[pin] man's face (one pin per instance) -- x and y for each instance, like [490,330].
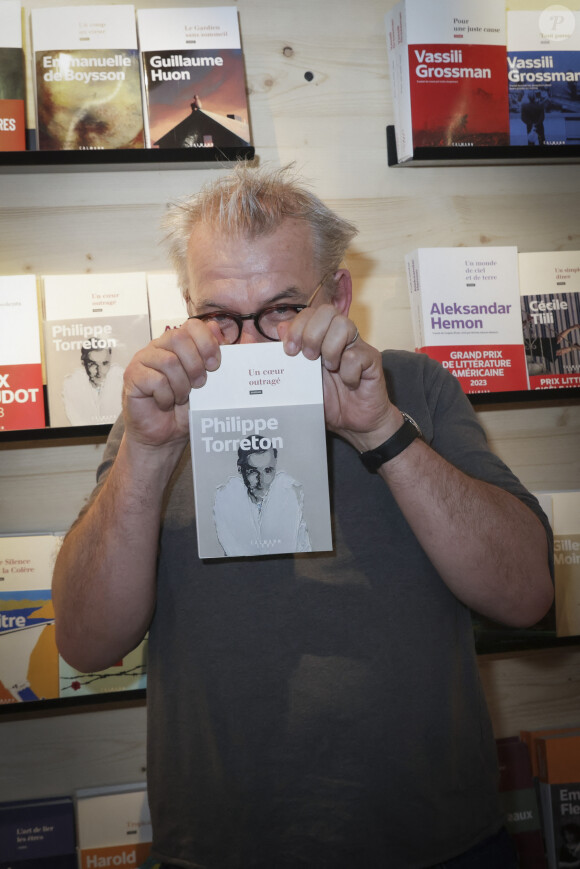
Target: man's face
[245,275]
[258,473]
[97,364]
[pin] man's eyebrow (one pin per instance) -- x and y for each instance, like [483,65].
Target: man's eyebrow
[290,293]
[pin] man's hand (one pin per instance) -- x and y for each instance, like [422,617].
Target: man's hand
[159,378]
[356,401]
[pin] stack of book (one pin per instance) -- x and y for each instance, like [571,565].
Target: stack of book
[106,77]
[466,74]
[497,319]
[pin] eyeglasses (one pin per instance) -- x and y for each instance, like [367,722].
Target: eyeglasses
[266,320]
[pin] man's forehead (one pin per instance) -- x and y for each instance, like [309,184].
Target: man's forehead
[262,459]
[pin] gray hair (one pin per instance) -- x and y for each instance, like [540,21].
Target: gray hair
[253,202]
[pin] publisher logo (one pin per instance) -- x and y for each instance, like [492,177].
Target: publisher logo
[557,23]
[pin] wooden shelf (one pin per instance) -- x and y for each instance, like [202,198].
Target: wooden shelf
[100,432]
[30,162]
[483,156]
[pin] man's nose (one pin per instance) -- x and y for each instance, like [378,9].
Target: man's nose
[250,334]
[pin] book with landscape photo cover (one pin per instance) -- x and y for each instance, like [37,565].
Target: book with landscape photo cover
[544,76]
[193,77]
[87,78]
[258,445]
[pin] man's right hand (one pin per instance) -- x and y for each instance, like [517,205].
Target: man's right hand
[159,378]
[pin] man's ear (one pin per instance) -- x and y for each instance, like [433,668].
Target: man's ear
[342,296]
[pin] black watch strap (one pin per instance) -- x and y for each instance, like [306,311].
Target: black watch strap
[373,459]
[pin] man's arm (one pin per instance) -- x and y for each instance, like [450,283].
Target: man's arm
[104,577]
[488,546]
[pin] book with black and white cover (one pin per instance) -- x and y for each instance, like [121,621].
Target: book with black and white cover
[38,834]
[447,66]
[21,380]
[550,310]
[544,76]
[12,81]
[167,307]
[193,77]
[566,513]
[87,78]
[465,308]
[258,443]
[28,653]
[113,825]
[93,326]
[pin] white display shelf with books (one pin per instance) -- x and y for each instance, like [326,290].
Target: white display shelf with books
[489,155]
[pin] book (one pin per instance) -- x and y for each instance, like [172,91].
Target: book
[12,81]
[465,310]
[447,64]
[258,445]
[93,325]
[28,653]
[127,674]
[113,825]
[193,77]
[518,799]
[550,307]
[544,76]
[559,775]
[21,379]
[167,307]
[38,834]
[566,509]
[87,78]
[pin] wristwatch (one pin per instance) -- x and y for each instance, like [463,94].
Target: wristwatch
[373,459]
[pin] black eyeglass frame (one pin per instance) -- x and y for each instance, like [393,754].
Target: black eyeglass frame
[239,319]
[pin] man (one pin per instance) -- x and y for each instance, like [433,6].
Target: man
[321,710]
[260,511]
[92,394]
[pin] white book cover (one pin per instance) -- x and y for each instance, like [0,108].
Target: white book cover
[93,326]
[28,654]
[550,310]
[258,443]
[566,510]
[113,825]
[544,76]
[167,308]
[12,82]
[87,77]
[193,77]
[447,63]
[21,386]
[468,314]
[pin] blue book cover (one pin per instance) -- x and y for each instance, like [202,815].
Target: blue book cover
[38,833]
[544,78]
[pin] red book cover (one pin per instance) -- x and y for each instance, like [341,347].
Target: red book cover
[12,88]
[21,393]
[448,68]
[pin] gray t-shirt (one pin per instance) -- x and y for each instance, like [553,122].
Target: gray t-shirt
[323,710]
